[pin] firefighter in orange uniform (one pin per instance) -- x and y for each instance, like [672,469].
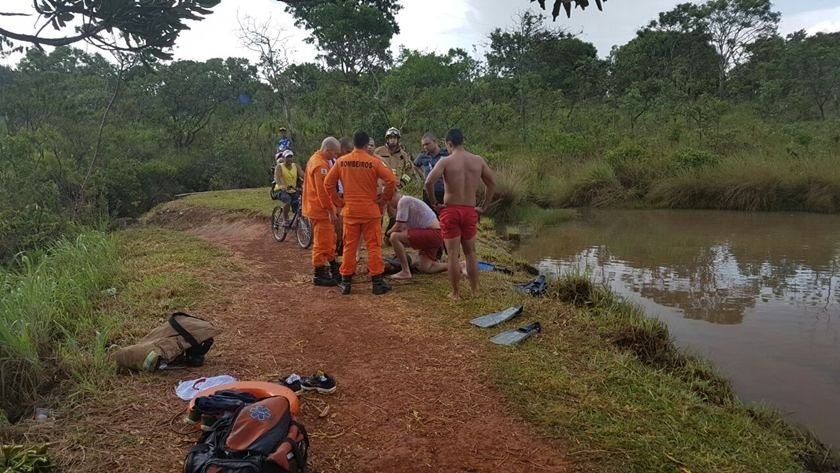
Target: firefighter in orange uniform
[318,208]
[361,207]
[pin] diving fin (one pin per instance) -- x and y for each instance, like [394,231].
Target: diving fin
[484,266]
[513,337]
[537,287]
[491,320]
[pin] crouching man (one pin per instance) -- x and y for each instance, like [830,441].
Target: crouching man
[417,227]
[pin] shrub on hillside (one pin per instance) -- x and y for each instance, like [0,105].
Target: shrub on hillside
[689,158]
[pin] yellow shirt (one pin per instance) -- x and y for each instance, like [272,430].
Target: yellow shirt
[288,178]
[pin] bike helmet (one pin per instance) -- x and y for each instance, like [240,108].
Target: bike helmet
[392,132]
[288,153]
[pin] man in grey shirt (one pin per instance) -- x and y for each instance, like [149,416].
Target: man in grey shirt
[417,227]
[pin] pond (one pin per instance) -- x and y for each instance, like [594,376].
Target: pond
[757,294]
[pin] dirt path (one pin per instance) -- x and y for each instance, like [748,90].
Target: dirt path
[411,397]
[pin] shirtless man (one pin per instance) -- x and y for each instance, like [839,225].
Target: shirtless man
[462,173]
[417,227]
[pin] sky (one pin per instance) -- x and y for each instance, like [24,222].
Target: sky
[437,25]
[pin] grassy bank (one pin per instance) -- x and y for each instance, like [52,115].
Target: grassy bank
[608,383]
[49,325]
[605,381]
[752,166]
[61,311]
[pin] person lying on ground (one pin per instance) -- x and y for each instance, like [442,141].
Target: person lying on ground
[462,174]
[417,227]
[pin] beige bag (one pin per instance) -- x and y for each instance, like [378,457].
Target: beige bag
[183,339]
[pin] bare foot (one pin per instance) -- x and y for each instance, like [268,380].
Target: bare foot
[454,297]
[402,275]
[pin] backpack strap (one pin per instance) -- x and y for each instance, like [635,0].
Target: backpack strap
[181,330]
[300,455]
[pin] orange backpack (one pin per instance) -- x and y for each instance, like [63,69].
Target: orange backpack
[262,437]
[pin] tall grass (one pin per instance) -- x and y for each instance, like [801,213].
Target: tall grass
[48,323]
[756,185]
[745,164]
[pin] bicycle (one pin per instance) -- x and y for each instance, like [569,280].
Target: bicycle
[300,224]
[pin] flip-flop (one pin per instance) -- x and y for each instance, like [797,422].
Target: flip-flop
[491,320]
[513,337]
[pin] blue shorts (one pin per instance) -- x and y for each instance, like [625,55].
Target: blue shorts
[292,198]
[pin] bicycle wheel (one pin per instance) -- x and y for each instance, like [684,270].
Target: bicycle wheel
[278,225]
[304,232]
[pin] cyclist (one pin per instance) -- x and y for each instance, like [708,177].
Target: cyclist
[284,142]
[288,180]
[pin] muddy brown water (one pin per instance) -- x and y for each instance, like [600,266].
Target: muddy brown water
[756,294]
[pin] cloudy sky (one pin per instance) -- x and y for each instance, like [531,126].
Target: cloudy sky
[437,25]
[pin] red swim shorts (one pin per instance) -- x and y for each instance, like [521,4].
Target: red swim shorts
[426,240]
[458,221]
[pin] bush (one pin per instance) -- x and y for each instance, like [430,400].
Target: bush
[633,166]
[47,321]
[689,159]
[595,186]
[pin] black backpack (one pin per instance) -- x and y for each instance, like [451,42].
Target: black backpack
[260,437]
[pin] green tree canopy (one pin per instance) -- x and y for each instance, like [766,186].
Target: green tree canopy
[121,25]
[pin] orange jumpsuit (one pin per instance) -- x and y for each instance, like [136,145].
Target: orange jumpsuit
[361,210]
[316,207]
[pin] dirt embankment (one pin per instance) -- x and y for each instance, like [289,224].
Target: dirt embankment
[412,397]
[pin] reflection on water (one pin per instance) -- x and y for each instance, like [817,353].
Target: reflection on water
[758,294]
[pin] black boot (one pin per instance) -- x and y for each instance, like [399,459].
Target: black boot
[323,277]
[379,286]
[334,266]
[344,285]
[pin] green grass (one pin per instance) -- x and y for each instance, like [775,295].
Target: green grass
[747,165]
[57,318]
[608,384]
[48,318]
[755,185]
[255,201]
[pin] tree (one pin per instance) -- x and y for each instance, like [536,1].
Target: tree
[559,60]
[732,25]
[567,5]
[189,93]
[800,73]
[353,35]
[662,67]
[302,9]
[682,62]
[273,63]
[121,25]
[417,92]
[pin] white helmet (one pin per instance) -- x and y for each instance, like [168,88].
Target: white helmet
[288,153]
[392,132]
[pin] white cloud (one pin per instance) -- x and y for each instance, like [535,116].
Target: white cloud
[438,25]
[218,34]
[815,21]
[433,25]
